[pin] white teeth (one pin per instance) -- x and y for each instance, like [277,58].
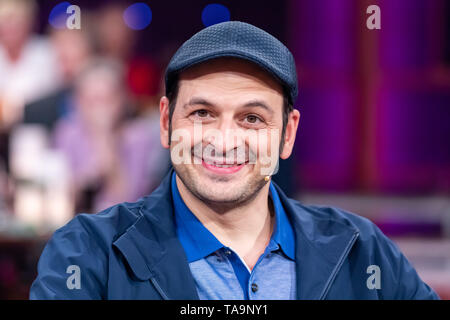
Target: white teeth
[224,165]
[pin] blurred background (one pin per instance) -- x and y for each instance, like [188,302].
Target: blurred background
[79,119]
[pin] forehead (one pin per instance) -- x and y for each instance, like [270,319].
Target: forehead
[229,75]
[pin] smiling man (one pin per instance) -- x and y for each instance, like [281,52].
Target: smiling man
[218,227]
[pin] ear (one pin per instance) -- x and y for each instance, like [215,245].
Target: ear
[291,132]
[164,121]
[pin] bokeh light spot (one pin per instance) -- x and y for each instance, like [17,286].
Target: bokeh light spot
[138,16]
[215,13]
[58,15]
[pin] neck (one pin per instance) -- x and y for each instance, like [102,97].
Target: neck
[14,54]
[14,50]
[246,228]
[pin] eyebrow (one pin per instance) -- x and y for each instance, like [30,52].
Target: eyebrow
[259,103]
[198,101]
[253,103]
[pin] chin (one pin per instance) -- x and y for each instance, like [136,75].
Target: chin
[221,199]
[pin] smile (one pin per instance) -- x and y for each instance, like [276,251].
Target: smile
[222,168]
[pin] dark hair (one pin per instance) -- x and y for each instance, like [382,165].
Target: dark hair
[172,94]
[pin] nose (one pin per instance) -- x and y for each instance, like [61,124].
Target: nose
[225,139]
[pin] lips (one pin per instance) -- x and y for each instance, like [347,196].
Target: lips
[222,168]
[222,163]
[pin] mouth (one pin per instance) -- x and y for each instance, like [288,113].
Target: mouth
[221,167]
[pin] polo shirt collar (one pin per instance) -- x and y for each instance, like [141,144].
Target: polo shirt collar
[198,242]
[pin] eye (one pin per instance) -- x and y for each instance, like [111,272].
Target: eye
[202,113]
[253,119]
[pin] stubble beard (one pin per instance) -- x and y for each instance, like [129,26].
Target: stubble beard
[215,199]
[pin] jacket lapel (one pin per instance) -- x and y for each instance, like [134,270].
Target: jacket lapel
[152,249]
[321,247]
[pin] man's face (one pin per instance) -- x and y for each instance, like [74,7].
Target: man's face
[237,108]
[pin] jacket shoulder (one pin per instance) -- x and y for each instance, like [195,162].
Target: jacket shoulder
[107,224]
[399,279]
[82,245]
[320,214]
[371,240]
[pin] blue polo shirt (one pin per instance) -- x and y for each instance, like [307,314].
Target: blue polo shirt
[220,273]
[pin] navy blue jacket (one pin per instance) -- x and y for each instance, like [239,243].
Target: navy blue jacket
[131,251]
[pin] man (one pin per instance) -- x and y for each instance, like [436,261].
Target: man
[217,227]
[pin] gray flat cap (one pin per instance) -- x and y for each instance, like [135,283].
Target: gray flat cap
[240,40]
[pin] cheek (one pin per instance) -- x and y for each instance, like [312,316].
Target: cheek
[182,122]
[267,142]
[180,146]
[268,150]
[183,138]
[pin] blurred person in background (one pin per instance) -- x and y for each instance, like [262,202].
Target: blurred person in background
[28,67]
[112,157]
[142,73]
[114,39]
[73,50]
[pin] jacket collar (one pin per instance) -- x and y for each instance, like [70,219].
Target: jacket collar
[153,251]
